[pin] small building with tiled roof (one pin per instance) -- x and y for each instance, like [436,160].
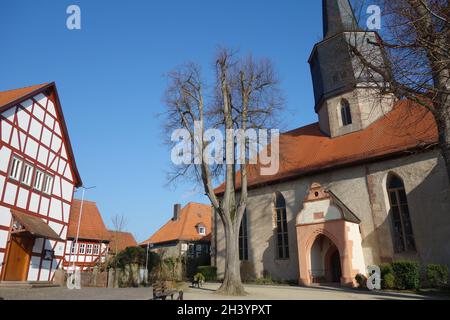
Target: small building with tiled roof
[120,240]
[365,185]
[188,232]
[38,176]
[87,239]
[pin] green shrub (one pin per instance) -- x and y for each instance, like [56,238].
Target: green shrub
[264,281]
[388,281]
[199,277]
[131,255]
[361,280]
[385,269]
[407,274]
[209,272]
[387,276]
[437,275]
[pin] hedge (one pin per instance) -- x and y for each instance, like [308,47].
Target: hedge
[407,274]
[209,272]
[437,275]
[387,276]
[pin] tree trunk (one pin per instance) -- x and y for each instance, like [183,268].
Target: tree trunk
[232,284]
[443,124]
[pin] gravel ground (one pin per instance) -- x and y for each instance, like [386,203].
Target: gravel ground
[83,294]
[256,292]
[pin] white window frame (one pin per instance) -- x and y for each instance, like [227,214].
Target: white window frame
[48,184]
[27,175]
[82,248]
[89,248]
[202,230]
[73,248]
[16,169]
[96,249]
[38,180]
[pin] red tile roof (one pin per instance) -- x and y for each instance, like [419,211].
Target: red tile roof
[12,97]
[185,228]
[92,226]
[120,241]
[307,150]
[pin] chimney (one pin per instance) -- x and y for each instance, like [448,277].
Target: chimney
[176,212]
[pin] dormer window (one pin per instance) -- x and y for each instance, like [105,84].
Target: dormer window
[346,113]
[201,230]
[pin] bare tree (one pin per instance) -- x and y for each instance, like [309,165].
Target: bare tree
[118,222]
[416,41]
[243,96]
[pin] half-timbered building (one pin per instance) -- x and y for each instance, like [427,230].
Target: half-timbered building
[87,238]
[38,175]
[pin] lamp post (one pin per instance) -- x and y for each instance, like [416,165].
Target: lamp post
[146,263]
[75,244]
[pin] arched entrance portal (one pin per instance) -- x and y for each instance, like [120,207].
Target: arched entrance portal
[335,267]
[325,261]
[329,240]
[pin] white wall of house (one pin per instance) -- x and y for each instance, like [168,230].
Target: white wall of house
[31,131]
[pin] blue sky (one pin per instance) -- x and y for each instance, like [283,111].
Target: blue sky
[110,78]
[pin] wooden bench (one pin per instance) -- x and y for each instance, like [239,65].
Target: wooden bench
[164,289]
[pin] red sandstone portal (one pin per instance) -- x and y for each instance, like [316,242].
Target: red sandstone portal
[336,231]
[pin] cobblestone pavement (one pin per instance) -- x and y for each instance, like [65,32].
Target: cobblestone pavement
[207,293]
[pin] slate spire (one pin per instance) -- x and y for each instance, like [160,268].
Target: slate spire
[338,16]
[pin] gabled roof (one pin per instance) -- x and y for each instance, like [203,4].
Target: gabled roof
[120,241]
[185,228]
[408,127]
[348,215]
[11,98]
[92,226]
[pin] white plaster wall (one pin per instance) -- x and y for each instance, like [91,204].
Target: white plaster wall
[33,271]
[45,270]
[354,236]
[330,212]
[38,245]
[5,216]
[5,154]
[3,238]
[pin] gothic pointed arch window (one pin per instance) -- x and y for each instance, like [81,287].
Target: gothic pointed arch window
[403,236]
[282,228]
[346,113]
[243,238]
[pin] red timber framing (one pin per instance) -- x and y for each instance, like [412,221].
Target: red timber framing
[81,259]
[53,156]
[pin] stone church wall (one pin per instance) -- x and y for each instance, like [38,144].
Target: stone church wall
[363,189]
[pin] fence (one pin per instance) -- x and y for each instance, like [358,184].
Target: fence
[130,276]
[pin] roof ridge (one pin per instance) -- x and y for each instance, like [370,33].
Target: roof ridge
[27,87]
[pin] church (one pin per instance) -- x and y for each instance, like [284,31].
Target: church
[364,185]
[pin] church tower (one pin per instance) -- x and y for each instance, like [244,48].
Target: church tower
[346,94]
